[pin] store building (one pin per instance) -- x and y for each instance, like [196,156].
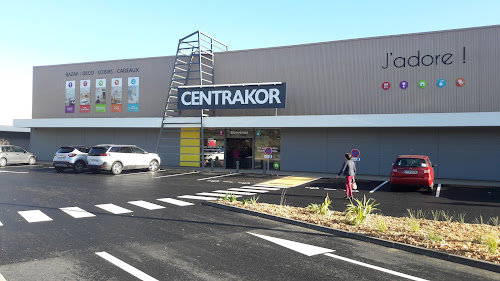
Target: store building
[16,136]
[434,93]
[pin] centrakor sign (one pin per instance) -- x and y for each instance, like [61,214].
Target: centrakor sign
[234,96]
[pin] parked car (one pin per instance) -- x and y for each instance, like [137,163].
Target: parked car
[116,158]
[12,154]
[72,156]
[412,170]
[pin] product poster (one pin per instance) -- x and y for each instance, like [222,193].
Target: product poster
[85,96]
[100,95]
[133,94]
[69,99]
[116,95]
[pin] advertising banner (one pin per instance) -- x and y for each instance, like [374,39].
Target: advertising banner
[116,95]
[133,94]
[262,95]
[85,96]
[69,98]
[100,95]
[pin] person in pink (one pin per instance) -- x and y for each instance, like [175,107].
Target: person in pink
[349,171]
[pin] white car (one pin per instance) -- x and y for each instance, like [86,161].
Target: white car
[116,158]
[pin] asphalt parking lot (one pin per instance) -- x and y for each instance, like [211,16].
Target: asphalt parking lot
[72,226]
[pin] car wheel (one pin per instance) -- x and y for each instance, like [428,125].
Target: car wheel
[59,169]
[153,166]
[78,167]
[430,188]
[32,161]
[95,171]
[116,168]
[3,162]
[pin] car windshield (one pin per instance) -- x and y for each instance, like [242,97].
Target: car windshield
[410,162]
[96,151]
[65,150]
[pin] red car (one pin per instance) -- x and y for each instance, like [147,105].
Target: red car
[412,170]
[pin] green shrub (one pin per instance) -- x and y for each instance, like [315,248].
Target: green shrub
[253,200]
[435,215]
[228,197]
[434,236]
[381,224]
[323,208]
[358,210]
[491,242]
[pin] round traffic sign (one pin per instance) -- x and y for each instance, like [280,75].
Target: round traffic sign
[355,153]
[268,151]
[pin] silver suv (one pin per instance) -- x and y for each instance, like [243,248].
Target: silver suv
[73,156]
[116,158]
[12,154]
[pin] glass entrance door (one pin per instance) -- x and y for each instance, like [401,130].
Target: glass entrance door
[239,149]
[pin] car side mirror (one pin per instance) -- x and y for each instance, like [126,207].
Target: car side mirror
[434,165]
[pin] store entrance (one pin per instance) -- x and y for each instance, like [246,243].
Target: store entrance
[239,149]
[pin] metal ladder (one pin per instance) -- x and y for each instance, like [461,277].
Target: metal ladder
[180,141]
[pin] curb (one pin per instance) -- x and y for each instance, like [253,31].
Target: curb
[396,245]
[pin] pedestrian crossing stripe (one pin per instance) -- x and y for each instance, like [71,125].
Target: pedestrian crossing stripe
[219,195]
[287,182]
[34,216]
[175,201]
[146,205]
[112,208]
[223,192]
[248,190]
[77,212]
[207,198]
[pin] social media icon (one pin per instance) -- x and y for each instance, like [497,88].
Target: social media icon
[386,85]
[460,82]
[422,84]
[441,83]
[403,85]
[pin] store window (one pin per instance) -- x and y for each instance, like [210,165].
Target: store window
[267,147]
[214,147]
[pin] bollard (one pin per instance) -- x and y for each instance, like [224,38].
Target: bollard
[237,166]
[212,165]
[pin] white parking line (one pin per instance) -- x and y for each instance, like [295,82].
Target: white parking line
[218,176]
[330,189]
[146,205]
[34,216]
[233,192]
[112,208]
[77,212]
[128,268]
[175,175]
[218,195]
[438,190]
[375,267]
[175,201]
[1,225]
[198,197]
[249,190]
[261,188]
[13,172]
[380,185]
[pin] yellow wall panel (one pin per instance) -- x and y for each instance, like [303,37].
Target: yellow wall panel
[189,142]
[189,157]
[190,150]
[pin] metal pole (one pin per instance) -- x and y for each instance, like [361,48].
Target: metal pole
[237,166]
[212,165]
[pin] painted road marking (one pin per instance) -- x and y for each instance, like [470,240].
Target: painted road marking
[228,181]
[1,223]
[310,250]
[376,267]
[227,175]
[34,216]
[132,174]
[261,188]
[128,268]
[438,190]
[175,175]
[14,172]
[379,186]
[218,195]
[234,192]
[146,205]
[330,189]
[287,182]
[112,208]
[175,201]
[312,187]
[77,212]
[249,190]
[198,197]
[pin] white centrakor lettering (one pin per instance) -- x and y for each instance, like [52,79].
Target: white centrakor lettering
[216,93]
[249,96]
[183,98]
[206,99]
[226,96]
[195,98]
[274,95]
[238,97]
[266,96]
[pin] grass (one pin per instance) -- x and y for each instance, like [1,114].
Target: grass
[381,224]
[228,197]
[491,241]
[434,236]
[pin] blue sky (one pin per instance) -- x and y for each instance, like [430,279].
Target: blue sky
[34,33]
